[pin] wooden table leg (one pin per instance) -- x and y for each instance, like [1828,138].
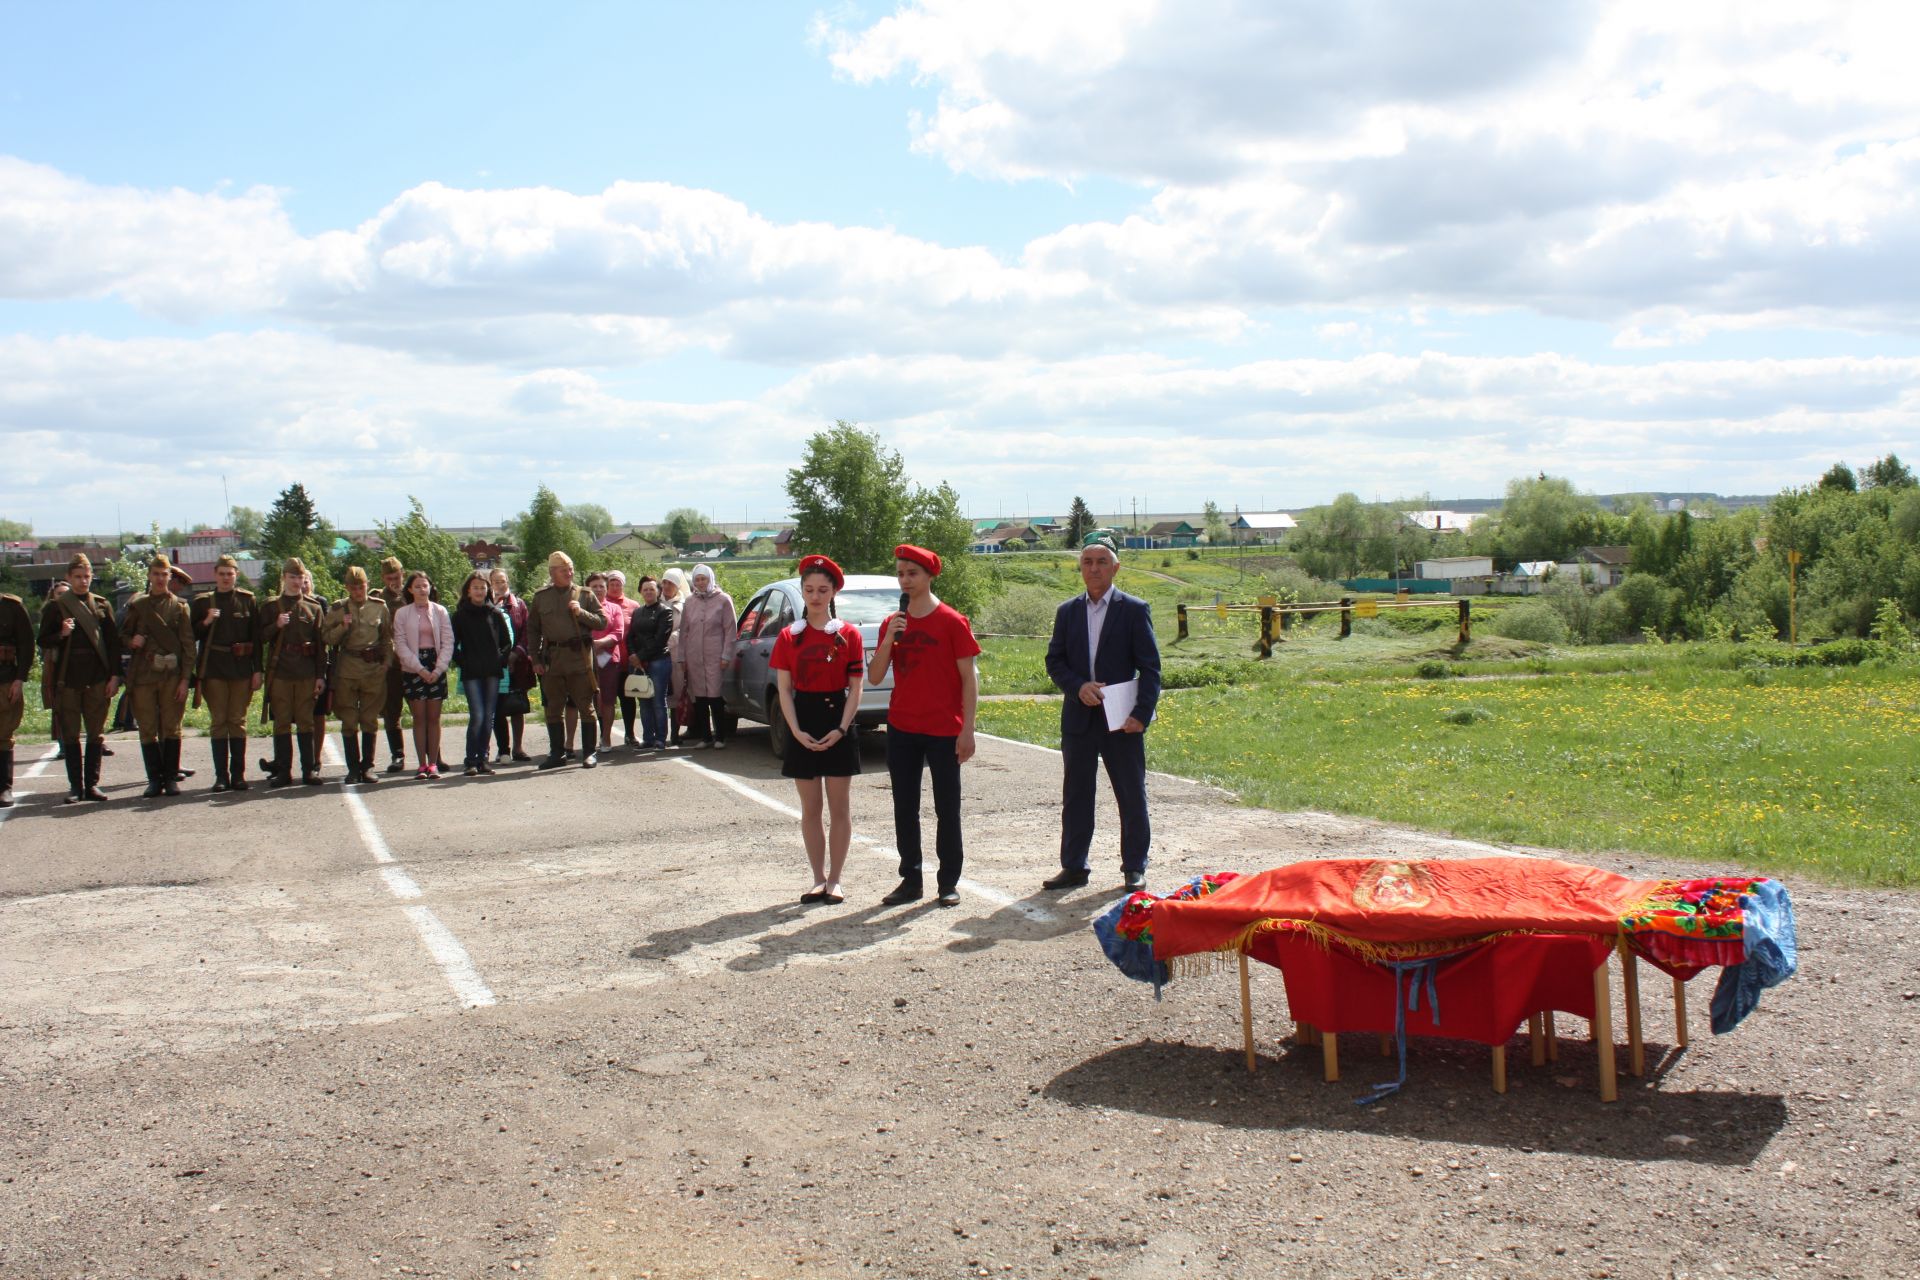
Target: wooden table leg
[1499,1068]
[1330,1055]
[1246,1011]
[1536,1039]
[1386,1046]
[1603,1031]
[1630,996]
[1302,1033]
[1553,1037]
[1679,1014]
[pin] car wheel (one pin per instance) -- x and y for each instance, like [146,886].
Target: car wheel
[778,736]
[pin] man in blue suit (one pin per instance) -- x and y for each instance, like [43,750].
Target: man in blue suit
[1103,637]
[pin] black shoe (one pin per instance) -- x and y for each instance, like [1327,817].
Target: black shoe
[909,891]
[237,764]
[397,765]
[170,770]
[553,761]
[1069,878]
[1135,881]
[589,760]
[949,898]
[150,756]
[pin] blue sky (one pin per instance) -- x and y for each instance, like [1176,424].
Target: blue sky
[1246,252]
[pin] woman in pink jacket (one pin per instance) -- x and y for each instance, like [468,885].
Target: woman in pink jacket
[423,641]
[703,648]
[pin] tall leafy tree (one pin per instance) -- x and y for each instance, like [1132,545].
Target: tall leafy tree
[247,525]
[419,544]
[1888,473]
[849,498]
[935,521]
[594,520]
[1216,523]
[544,530]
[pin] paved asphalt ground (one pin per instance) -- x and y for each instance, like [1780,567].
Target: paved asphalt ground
[577,1024]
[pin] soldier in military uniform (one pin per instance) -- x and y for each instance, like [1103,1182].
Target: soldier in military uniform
[17,643]
[290,632]
[80,626]
[227,621]
[159,635]
[393,594]
[359,630]
[561,619]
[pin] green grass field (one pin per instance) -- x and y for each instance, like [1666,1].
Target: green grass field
[1674,750]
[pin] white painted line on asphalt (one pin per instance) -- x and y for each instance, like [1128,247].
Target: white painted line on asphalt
[31,772]
[987,891]
[455,964]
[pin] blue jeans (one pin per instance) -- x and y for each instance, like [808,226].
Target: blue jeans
[653,711]
[483,700]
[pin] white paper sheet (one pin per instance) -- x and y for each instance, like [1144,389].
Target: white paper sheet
[1118,700]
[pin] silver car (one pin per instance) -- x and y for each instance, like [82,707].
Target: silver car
[748,685]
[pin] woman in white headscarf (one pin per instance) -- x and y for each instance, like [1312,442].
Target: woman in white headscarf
[704,649]
[674,589]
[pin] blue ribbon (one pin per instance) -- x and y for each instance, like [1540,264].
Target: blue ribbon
[1416,970]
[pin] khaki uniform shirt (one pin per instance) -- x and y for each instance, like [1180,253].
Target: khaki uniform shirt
[167,656]
[294,651]
[554,636]
[235,650]
[87,663]
[17,641]
[362,634]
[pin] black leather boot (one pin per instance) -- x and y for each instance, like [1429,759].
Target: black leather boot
[76,772]
[280,768]
[396,750]
[95,749]
[150,756]
[220,757]
[6,779]
[588,756]
[309,760]
[350,747]
[556,742]
[170,771]
[366,758]
[237,764]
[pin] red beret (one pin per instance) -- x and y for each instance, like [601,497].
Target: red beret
[928,560]
[819,563]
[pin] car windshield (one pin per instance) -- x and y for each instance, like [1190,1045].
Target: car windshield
[867,606]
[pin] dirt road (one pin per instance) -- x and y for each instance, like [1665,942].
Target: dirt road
[577,1024]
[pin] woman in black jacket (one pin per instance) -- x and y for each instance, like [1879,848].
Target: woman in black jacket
[647,635]
[482,641]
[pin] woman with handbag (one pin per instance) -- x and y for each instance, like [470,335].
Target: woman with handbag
[423,642]
[649,633]
[818,666]
[482,644]
[510,720]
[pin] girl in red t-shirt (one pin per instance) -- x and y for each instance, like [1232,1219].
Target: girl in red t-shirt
[817,662]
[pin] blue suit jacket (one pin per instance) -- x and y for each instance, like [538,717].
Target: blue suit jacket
[1127,651]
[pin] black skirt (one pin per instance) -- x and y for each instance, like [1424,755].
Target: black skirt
[418,688]
[819,714]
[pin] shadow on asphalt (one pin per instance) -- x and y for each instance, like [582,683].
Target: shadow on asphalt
[1447,1098]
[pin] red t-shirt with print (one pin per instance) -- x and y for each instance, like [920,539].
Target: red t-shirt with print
[820,661]
[926,674]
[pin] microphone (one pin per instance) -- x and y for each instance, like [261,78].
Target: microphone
[903,602]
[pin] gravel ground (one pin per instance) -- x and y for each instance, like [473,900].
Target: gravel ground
[228,1051]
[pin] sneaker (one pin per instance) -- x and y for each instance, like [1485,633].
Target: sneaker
[424,774]
[719,746]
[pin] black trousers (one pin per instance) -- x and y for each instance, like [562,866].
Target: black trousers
[1125,755]
[908,756]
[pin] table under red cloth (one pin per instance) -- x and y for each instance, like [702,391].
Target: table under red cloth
[1485,993]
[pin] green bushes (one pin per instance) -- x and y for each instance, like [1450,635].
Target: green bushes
[1541,623]
[1022,610]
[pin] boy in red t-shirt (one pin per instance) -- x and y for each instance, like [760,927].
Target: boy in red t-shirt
[929,719]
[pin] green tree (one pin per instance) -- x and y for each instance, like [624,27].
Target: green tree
[934,521]
[679,532]
[544,530]
[594,520]
[247,525]
[291,522]
[418,544]
[1888,473]
[15,530]
[1840,478]
[1079,523]
[1544,518]
[1216,524]
[849,499]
